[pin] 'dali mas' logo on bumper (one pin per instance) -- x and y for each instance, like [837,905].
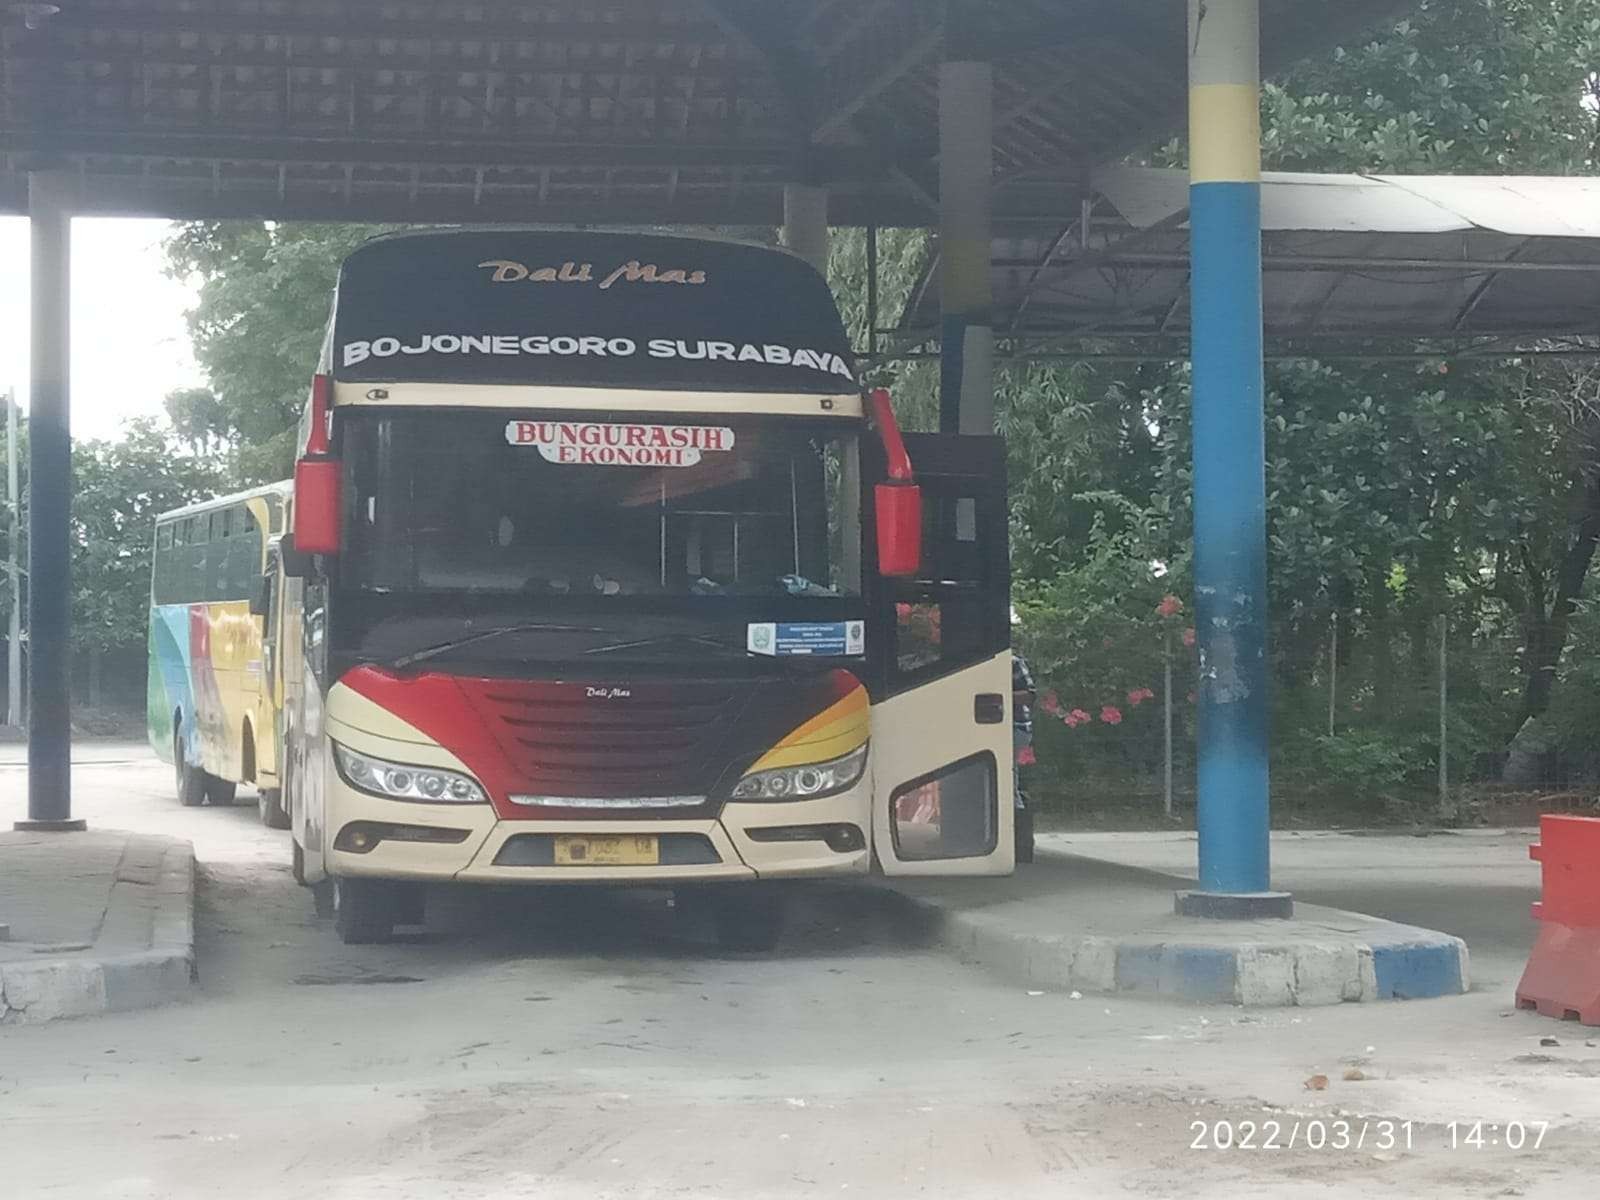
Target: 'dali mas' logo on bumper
[616,445]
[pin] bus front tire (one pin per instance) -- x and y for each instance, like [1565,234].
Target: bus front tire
[269,803]
[365,910]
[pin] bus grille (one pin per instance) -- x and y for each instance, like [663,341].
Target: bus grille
[580,740]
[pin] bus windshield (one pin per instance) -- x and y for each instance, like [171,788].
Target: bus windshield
[564,505]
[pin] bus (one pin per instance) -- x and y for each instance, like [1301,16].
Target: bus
[213,691]
[608,570]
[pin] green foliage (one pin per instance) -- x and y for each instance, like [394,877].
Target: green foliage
[1364,765]
[1469,87]
[7,531]
[118,489]
[257,327]
[1097,641]
[902,255]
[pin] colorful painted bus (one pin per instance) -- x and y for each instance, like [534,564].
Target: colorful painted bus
[608,570]
[214,691]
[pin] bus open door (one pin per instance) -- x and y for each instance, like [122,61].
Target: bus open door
[942,767]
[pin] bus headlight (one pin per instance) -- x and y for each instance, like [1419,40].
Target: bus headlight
[805,782]
[400,781]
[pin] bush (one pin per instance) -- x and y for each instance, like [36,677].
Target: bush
[1359,765]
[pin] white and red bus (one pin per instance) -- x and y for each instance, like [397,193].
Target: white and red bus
[605,569]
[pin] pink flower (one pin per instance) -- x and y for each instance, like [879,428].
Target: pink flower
[1188,637]
[1075,718]
[1111,714]
[1169,606]
[1050,702]
[1026,757]
[1139,695]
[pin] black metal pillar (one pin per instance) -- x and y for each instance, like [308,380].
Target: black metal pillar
[50,197]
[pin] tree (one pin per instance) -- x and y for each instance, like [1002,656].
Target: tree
[1471,87]
[1486,86]
[119,487]
[257,328]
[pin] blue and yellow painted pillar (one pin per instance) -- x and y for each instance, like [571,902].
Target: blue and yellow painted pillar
[966,171]
[1229,460]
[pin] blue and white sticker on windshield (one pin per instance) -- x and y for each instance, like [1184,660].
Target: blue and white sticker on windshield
[784,639]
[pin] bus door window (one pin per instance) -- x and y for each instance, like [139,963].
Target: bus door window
[269,590]
[947,623]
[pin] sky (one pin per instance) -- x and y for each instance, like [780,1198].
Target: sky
[130,346]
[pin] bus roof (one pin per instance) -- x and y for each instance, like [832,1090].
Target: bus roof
[585,308]
[282,489]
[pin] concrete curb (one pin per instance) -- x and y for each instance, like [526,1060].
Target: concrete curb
[151,903]
[1300,967]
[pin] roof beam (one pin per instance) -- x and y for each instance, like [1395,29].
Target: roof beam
[497,61]
[697,204]
[376,25]
[1309,262]
[247,145]
[773,45]
[861,70]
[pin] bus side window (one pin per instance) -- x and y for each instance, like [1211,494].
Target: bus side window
[194,584]
[245,557]
[161,569]
[215,578]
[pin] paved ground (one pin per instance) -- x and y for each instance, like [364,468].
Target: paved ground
[567,1046]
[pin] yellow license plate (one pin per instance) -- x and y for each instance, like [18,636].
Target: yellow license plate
[607,850]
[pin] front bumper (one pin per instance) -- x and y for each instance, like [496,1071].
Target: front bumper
[739,855]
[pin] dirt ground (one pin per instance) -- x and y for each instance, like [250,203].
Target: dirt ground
[592,1045]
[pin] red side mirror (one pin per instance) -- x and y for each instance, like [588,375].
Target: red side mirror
[899,513]
[317,492]
[898,503]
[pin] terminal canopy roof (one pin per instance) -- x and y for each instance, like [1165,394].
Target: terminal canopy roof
[689,112]
[1481,260]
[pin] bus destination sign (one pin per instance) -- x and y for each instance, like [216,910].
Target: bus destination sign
[569,308]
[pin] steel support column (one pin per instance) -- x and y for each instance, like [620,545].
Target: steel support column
[805,223]
[1229,460]
[50,197]
[966,169]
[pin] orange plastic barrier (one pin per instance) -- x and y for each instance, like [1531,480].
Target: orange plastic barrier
[1562,978]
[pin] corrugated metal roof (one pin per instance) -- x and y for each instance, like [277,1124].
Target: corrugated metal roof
[669,111]
[1344,256]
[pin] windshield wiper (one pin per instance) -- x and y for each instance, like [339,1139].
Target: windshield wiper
[670,639]
[416,656]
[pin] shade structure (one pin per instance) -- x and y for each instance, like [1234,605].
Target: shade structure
[593,111]
[1447,258]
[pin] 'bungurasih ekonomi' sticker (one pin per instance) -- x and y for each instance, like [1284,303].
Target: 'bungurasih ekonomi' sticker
[620,445]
